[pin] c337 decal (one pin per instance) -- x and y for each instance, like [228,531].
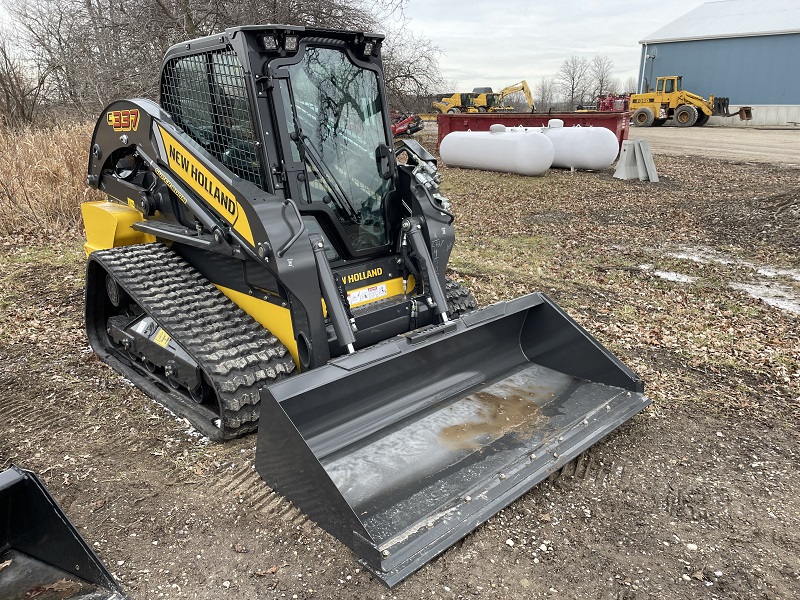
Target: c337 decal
[207,186]
[123,120]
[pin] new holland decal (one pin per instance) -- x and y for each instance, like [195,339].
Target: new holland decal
[206,185]
[363,276]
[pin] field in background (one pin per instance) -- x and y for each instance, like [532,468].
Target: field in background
[43,179]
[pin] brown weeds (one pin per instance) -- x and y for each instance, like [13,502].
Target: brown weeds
[43,179]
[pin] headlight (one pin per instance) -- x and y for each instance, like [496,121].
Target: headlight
[290,43]
[270,42]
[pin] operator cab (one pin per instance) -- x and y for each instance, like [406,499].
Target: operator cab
[301,114]
[668,85]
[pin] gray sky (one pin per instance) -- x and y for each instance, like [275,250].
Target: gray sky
[497,43]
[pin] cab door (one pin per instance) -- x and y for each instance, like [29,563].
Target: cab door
[671,91]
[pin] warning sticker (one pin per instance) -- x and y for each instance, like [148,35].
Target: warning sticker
[162,338]
[366,294]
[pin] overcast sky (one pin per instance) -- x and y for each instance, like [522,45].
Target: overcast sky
[497,43]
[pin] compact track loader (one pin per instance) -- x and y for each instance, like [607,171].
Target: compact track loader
[268,260]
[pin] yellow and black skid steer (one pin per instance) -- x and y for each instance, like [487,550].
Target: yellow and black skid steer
[269,260]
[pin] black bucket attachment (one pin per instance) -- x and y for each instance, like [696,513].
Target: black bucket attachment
[401,449]
[41,553]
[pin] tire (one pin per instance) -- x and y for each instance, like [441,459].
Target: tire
[658,122]
[643,117]
[685,115]
[436,111]
[702,119]
[481,109]
[459,299]
[453,111]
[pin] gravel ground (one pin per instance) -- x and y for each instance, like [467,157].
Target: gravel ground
[694,498]
[772,146]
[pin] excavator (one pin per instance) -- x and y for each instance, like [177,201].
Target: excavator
[489,102]
[269,260]
[522,86]
[492,102]
[483,100]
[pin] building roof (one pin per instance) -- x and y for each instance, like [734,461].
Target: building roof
[731,18]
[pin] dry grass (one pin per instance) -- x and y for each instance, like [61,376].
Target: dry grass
[43,179]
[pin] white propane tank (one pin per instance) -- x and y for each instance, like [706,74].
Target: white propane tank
[514,150]
[581,147]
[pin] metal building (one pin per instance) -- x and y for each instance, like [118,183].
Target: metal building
[748,51]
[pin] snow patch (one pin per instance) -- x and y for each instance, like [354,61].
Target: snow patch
[772,272]
[776,295]
[677,277]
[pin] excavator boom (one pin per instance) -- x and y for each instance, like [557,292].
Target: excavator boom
[522,86]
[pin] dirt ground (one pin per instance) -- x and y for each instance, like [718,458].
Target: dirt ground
[697,497]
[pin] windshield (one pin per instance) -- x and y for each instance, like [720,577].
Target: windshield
[340,120]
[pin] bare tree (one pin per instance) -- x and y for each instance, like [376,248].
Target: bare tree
[95,52]
[545,94]
[631,85]
[411,70]
[600,71]
[22,87]
[614,86]
[573,80]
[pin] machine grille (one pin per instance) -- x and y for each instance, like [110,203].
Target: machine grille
[206,95]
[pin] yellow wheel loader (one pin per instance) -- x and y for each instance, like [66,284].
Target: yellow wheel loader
[268,260]
[670,101]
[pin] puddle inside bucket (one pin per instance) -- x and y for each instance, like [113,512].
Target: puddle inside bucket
[431,441]
[499,415]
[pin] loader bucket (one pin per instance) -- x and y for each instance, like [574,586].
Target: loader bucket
[41,553]
[403,448]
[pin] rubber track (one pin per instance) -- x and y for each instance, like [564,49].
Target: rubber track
[459,299]
[235,352]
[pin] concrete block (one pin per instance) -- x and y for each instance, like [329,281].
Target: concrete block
[636,162]
[649,163]
[626,165]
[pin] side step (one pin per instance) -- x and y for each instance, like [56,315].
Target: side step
[41,551]
[401,449]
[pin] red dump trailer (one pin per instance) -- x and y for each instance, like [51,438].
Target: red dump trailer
[618,122]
